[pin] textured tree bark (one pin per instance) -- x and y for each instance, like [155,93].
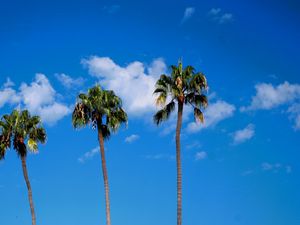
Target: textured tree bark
[29,190]
[105,176]
[178,163]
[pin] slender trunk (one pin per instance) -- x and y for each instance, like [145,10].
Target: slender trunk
[105,176]
[23,158]
[178,163]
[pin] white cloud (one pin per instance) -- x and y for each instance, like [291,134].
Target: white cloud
[53,112]
[38,93]
[247,172]
[188,13]
[200,155]
[219,17]
[288,169]
[132,138]
[266,166]
[226,17]
[160,156]
[243,135]
[8,95]
[68,81]
[8,83]
[88,155]
[294,112]
[112,8]
[276,167]
[39,98]
[214,11]
[134,83]
[213,114]
[269,97]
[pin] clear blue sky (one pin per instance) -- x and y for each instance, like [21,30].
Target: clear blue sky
[240,168]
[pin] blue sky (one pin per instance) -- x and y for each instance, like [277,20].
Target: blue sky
[240,168]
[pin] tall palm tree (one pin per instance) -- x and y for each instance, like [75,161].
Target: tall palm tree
[102,109]
[16,128]
[185,87]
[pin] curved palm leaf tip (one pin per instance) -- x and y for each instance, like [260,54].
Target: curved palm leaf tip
[101,108]
[183,85]
[18,127]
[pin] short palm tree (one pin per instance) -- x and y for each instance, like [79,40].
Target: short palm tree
[102,109]
[184,87]
[17,128]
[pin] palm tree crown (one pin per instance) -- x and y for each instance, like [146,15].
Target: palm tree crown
[101,108]
[185,86]
[18,127]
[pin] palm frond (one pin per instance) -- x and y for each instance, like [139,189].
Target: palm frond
[199,117]
[102,108]
[164,113]
[81,115]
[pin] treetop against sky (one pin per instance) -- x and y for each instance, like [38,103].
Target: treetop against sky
[239,167]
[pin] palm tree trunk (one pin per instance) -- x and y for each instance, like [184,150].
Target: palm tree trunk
[105,176]
[29,190]
[178,163]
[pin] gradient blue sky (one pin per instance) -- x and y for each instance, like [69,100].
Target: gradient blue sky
[240,168]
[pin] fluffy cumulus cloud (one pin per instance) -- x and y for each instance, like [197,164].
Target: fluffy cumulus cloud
[88,155]
[243,135]
[38,97]
[8,94]
[269,96]
[68,81]
[188,13]
[134,83]
[213,114]
[200,155]
[221,18]
[132,138]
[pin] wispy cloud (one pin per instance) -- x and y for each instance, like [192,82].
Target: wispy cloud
[243,135]
[39,97]
[188,13]
[267,167]
[88,155]
[276,167]
[132,138]
[214,113]
[68,81]
[193,145]
[200,155]
[111,8]
[221,18]
[134,83]
[268,97]
[214,11]
[247,172]
[294,113]
[160,157]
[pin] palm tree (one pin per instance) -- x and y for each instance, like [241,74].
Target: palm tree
[16,128]
[184,87]
[102,109]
